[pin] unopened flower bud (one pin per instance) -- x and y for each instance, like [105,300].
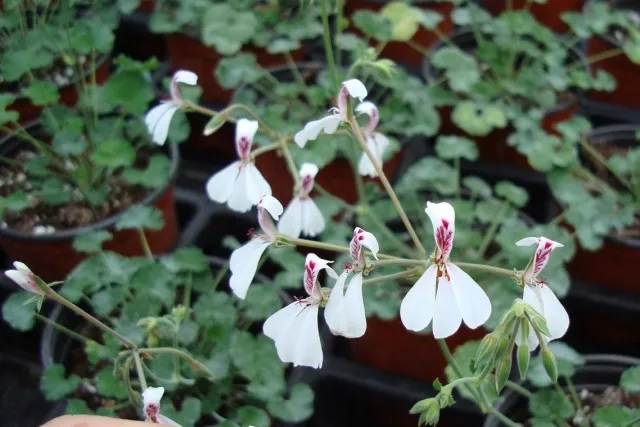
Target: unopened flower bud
[385,66]
[518,308]
[537,321]
[502,371]
[503,343]
[523,360]
[179,313]
[431,416]
[487,349]
[550,364]
[423,406]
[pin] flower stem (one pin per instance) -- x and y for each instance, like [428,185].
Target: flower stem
[291,164]
[389,277]
[50,293]
[326,246]
[145,244]
[451,361]
[519,389]
[503,418]
[488,269]
[597,156]
[274,146]
[573,394]
[61,328]
[491,231]
[328,50]
[139,370]
[193,363]
[400,261]
[387,185]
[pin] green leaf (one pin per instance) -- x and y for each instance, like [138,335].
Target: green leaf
[512,193]
[478,119]
[297,408]
[189,413]
[141,216]
[374,25]
[55,385]
[215,123]
[110,386]
[114,153]
[186,260]
[463,356]
[460,68]
[238,70]
[477,186]
[614,416]
[155,175]
[42,92]
[227,29]
[129,89]
[91,242]
[261,302]
[68,142]
[282,45]
[630,380]
[404,20]
[428,173]
[383,300]
[55,192]
[456,147]
[78,407]
[7,116]
[14,311]
[255,358]
[156,280]
[215,308]
[15,202]
[219,363]
[549,403]
[252,416]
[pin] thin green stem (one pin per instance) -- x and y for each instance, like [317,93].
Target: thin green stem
[61,328]
[390,277]
[328,49]
[487,269]
[387,185]
[145,244]
[50,293]
[139,370]
[456,165]
[294,70]
[597,156]
[451,361]
[400,261]
[325,246]
[519,389]
[493,228]
[400,245]
[573,393]
[255,153]
[221,273]
[193,363]
[291,164]
[503,418]
[338,29]
[188,286]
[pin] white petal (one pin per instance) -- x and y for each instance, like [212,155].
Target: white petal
[370,242]
[527,241]
[446,317]
[356,89]
[312,219]
[239,200]
[167,421]
[257,186]
[417,308]
[443,219]
[312,129]
[473,303]
[308,169]
[22,267]
[152,395]
[354,309]
[279,322]
[308,351]
[365,167]
[158,121]
[334,305]
[186,77]
[23,280]
[554,313]
[244,263]
[366,108]
[271,205]
[382,143]
[313,264]
[220,185]
[534,299]
[291,221]
[245,131]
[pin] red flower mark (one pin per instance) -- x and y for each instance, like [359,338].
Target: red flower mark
[243,147]
[251,233]
[542,257]
[307,184]
[151,411]
[355,246]
[347,266]
[444,239]
[310,276]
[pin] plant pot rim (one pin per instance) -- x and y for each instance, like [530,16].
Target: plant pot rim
[101,60]
[106,223]
[599,136]
[591,359]
[427,68]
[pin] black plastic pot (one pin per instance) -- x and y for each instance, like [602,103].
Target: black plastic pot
[600,371]
[32,249]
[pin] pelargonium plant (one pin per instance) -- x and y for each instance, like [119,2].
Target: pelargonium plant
[94,159]
[459,244]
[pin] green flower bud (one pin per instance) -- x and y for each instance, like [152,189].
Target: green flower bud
[179,313]
[385,66]
[523,360]
[550,364]
[502,371]
[519,308]
[503,343]
[423,405]
[444,398]
[537,321]
[429,411]
[487,349]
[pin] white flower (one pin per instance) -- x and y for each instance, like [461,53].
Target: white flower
[458,297]
[244,260]
[240,185]
[159,117]
[329,124]
[294,328]
[345,312]
[24,278]
[151,400]
[376,142]
[302,215]
[540,296]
